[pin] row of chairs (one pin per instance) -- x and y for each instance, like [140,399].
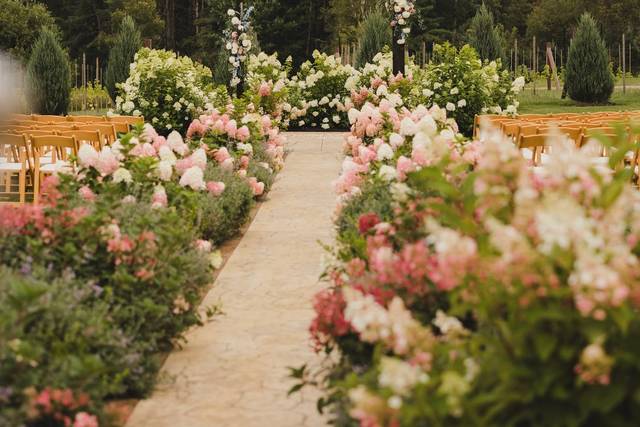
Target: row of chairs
[33,157]
[33,146]
[531,133]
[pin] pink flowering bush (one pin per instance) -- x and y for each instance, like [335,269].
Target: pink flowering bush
[485,292]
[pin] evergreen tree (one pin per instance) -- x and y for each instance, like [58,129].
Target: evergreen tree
[49,75]
[484,36]
[375,35]
[588,77]
[127,43]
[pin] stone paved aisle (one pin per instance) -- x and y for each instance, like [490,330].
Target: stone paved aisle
[232,372]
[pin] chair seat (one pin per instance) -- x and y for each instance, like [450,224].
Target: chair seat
[55,167]
[10,167]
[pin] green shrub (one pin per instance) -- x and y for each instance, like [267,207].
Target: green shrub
[588,77]
[375,35]
[116,250]
[484,36]
[58,334]
[221,217]
[49,75]
[374,198]
[127,43]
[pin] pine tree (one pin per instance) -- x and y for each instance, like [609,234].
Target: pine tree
[127,43]
[375,34]
[588,77]
[484,36]
[49,75]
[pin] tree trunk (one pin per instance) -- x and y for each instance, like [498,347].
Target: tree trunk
[398,54]
[170,24]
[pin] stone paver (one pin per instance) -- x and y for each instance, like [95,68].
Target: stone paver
[232,372]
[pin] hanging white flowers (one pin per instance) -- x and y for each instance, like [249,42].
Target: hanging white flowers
[402,11]
[239,43]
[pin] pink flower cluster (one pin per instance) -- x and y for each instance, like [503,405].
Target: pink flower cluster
[61,406]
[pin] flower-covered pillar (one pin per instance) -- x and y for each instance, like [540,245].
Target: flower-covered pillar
[238,45]
[402,11]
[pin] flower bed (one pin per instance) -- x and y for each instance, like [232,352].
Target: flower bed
[168,90]
[107,274]
[469,289]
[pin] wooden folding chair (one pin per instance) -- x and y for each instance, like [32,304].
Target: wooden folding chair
[130,120]
[92,137]
[106,130]
[534,143]
[14,161]
[61,147]
[46,118]
[87,119]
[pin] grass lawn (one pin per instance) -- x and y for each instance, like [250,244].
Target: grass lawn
[545,102]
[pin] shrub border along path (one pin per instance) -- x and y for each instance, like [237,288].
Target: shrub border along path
[232,371]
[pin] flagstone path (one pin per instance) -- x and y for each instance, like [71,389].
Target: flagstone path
[232,372]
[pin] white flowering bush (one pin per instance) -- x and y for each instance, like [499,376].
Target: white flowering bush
[267,86]
[318,93]
[458,81]
[167,89]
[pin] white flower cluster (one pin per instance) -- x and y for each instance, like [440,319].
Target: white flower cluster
[402,11]
[164,88]
[239,43]
[318,93]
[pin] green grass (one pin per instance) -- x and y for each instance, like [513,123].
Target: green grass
[546,102]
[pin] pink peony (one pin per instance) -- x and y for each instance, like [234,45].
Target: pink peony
[216,188]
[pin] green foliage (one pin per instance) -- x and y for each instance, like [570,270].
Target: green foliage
[48,75]
[58,334]
[221,217]
[588,77]
[127,43]
[20,25]
[484,36]
[375,35]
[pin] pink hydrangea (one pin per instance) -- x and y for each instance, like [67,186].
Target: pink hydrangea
[216,188]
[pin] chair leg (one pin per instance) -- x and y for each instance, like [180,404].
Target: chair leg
[22,186]
[36,188]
